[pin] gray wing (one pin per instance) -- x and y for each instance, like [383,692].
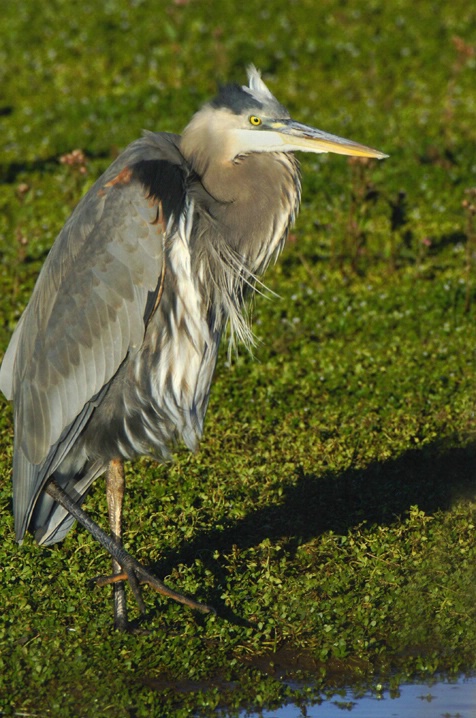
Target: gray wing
[88,312]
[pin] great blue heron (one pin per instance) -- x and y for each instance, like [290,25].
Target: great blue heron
[114,355]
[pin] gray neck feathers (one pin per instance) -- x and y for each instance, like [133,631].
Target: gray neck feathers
[244,210]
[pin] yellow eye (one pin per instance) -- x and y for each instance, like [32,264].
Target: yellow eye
[255,120]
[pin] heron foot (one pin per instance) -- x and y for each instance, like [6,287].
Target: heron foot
[132,571]
[136,574]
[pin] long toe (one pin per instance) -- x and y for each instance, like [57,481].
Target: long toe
[146,576]
[137,574]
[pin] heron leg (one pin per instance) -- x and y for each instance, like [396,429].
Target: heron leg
[115,488]
[133,570]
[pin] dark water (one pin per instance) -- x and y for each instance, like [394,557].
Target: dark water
[438,700]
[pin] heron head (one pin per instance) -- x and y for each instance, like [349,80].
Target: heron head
[245,119]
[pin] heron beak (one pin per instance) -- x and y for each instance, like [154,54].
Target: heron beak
[308,139]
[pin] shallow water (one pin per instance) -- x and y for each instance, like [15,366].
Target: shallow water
[438,700]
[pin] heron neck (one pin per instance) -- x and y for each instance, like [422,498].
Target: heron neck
[255,200]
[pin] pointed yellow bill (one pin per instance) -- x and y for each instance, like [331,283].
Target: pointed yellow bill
[307,139]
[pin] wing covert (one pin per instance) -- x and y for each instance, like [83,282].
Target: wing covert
[87,310]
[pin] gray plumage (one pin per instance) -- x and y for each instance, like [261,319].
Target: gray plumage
[115,353]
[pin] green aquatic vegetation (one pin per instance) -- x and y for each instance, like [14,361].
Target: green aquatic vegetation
[329,514]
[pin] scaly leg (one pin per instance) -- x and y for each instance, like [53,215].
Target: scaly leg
[133,570]
[115,487]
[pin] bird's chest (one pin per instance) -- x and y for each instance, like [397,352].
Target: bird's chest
[181,347]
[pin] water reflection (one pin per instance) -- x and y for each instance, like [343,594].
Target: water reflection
[438,700]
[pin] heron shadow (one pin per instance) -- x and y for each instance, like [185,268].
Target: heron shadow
[432,477]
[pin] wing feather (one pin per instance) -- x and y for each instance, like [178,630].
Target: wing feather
[86,326]
[86,314]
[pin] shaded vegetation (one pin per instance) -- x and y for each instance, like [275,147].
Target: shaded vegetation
[330,512]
